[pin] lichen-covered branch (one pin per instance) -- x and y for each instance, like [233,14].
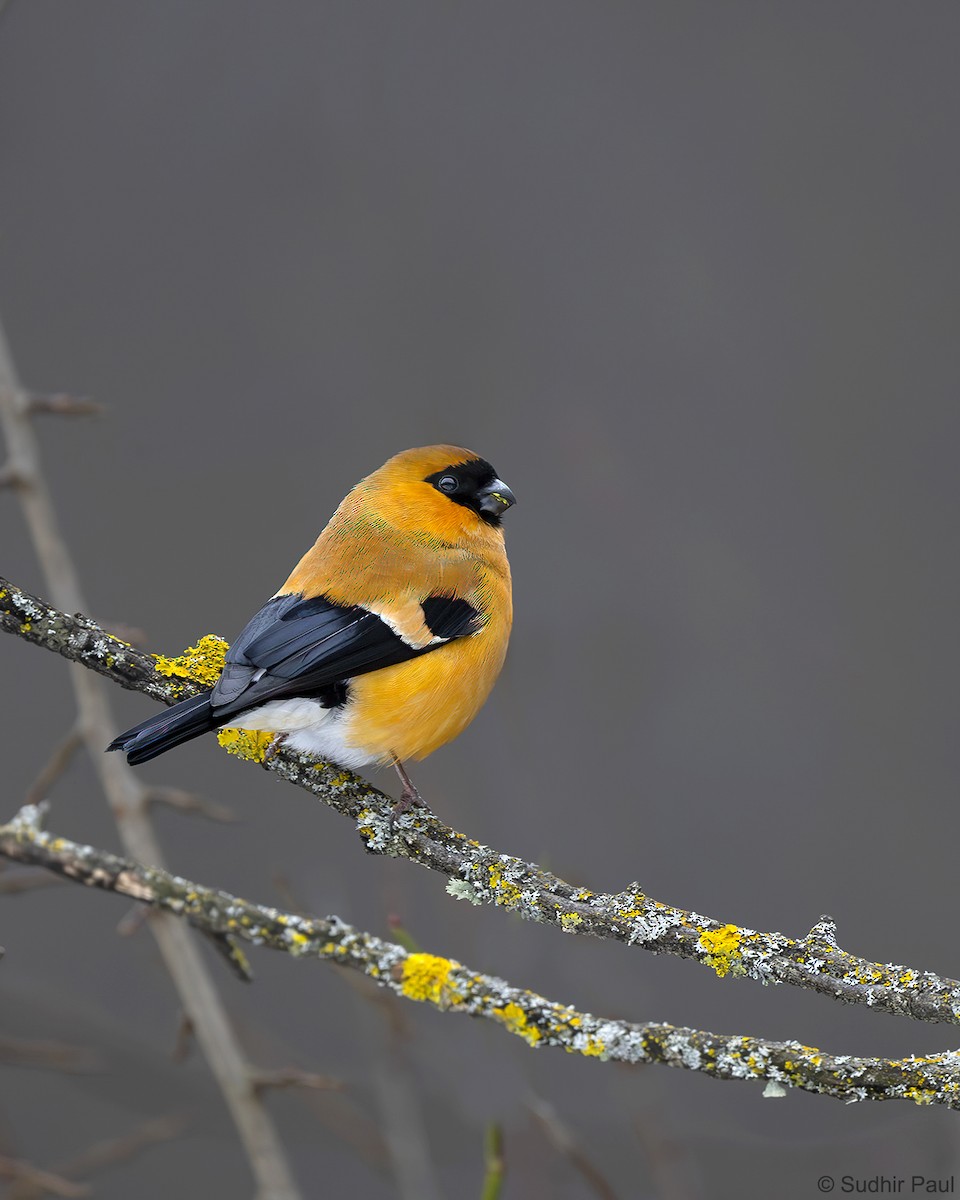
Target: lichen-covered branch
[128,799]
[81,640]
[481,875]
[452,987]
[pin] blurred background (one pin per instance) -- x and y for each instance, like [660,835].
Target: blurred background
[687,274]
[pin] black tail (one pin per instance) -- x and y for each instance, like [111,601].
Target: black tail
[181,723]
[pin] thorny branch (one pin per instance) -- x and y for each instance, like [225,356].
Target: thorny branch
[481,875]
[452,987]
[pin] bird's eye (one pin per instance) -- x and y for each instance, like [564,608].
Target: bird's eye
[448,483]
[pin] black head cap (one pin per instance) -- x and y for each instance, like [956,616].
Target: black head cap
[475,485]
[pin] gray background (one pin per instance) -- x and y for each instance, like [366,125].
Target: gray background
[687,273]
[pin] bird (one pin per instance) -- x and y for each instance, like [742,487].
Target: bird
[386,638]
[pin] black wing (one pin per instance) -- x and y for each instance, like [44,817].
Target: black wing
[297,647]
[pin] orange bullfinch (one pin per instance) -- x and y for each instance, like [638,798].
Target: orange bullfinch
[387,637]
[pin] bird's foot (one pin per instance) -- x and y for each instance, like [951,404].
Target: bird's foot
[272,750]
[409,797]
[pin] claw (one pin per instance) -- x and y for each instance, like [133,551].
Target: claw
[273,750]
[409,797]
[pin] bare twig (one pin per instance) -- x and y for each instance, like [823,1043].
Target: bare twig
[133,920]
[50,1056]
[482,875]
[60,759]
[670,1173]
[384,1031]
[400,1116]
[293,1077]
[12,476]
[125,795]
[32,1184]
[40,1181]
[60,404]
[451,987]
[190,803]
[564,1142]
[116,1150]
[495,1167]
[183,1039]
[17,882]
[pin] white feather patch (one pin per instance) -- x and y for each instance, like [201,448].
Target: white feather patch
[392,625]
[310,728]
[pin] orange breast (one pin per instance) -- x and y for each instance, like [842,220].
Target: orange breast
[415,707]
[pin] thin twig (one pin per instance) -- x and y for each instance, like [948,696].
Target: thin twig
[383,1030]
[60,404]
[190,804]
[12,476]
[60,758]
[482,875]
[183,1039]
[451,987]
[494,1164]
[17,882]
[49,1056]
[39,1180]
[133,920]
[116,1150]
[125,795]
[670,1173]
[293,1077]
[564,1142]
[400,1114]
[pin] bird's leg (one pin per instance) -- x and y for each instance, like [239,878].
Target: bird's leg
[409,797]
[272,750]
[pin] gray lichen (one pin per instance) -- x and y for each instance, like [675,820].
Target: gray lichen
[482,875]
[450,986]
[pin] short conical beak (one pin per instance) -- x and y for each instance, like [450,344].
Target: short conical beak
[496,498]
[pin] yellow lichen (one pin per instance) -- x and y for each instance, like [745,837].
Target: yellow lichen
[569,921]
[505,891]
[722,950]
[594,1048]
[365,819]
[245,743]
[202,662]
[515,1019]
[425,977]
[240,959]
